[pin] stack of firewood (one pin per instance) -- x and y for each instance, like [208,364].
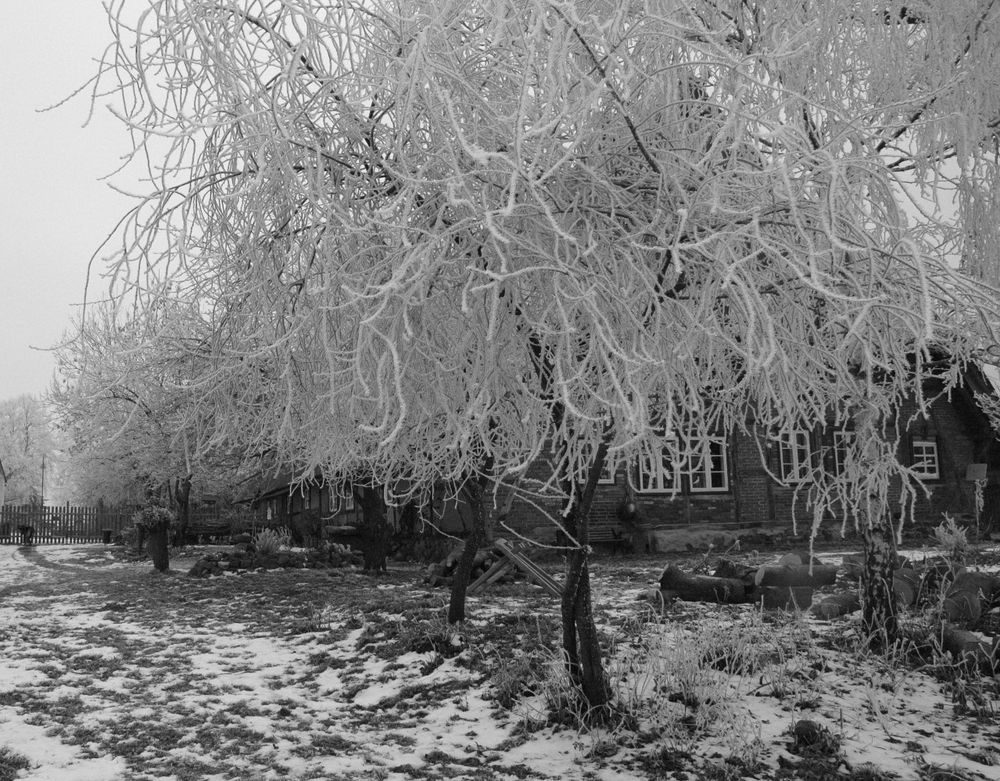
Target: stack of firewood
[441,573]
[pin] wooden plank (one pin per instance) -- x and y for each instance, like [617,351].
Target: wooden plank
[501,565]
[529,567]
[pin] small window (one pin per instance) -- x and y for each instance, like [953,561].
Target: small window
[657,475]
[842,441]
[709,467]
[342,501]
[925,458]
[796,460]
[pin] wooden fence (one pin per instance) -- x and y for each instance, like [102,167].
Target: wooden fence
[67,524]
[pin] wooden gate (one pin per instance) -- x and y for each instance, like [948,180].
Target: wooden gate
[61,525]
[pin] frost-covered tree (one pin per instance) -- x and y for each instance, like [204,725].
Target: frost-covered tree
[26,441]
[446,240]
[134,429]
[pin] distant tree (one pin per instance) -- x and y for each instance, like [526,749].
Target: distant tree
[26,441]
[134,428]
[433,238]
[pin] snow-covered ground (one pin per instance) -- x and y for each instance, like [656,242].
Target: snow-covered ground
[111,671]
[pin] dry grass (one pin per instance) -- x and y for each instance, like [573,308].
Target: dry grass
[287,674]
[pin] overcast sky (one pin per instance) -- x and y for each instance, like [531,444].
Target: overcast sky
[54,207]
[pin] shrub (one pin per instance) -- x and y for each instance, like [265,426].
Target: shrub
[270,541]
[154,517]
[952,539]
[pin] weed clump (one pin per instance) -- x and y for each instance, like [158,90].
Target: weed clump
[11,764]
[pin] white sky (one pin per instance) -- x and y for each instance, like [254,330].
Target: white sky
[55,210]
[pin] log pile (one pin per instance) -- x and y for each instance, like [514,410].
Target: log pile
[785,584]
[441,573]
[960,600]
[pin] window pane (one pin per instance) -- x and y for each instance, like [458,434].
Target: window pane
[709,471]
[925,458]
[841,443]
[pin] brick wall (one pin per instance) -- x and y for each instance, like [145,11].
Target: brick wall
[754,498]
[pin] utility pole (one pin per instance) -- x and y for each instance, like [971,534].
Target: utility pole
[42,497]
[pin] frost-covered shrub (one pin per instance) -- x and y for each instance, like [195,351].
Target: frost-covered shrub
[154,518]
[952,539]
[270,541]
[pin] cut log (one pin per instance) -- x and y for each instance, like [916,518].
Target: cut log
[982,583]
[727,568]
[906,585]
[962,607]
[971,649]
[837,605]
[702,588]
[792,575]
[798,557]
[854,564]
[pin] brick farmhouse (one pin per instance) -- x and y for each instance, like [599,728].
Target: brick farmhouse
[729,487]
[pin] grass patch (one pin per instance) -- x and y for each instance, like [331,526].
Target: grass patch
[12,763]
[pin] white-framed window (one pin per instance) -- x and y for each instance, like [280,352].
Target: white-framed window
[842,441]
[795,456]
[709,465]
[608,472]
[657,475]
[925,458]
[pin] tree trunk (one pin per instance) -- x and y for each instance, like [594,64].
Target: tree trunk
[182,497]
[474,491]
[581,644]
[158,546]
[374,529]
[878,602]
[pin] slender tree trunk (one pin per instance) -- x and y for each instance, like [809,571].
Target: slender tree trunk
[182,498]
[374,529]
[878,602]
[474,491]
[581,644]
